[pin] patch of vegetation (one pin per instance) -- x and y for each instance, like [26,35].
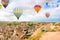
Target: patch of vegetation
[31,25]
[57,24]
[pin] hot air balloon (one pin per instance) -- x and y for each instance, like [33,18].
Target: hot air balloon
[37,8]
[46,3]
[17,12]
[47,15]
[5,3]
[0,6]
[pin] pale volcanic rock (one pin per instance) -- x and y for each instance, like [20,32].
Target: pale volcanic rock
[51,36]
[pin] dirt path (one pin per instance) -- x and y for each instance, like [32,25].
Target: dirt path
[51,36]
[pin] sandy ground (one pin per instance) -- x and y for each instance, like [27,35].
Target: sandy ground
[51,36]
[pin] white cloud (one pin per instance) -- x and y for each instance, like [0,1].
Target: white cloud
[29,14]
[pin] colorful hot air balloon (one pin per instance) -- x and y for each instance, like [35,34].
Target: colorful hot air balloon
[17,12]
[47,15]
[0,6]
[47,4]
[5,3]
[37,8]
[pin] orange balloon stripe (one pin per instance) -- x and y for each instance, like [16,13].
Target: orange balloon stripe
[37,9]
[3,0]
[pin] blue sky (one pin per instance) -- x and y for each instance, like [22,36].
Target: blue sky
[52,5]
[58,0]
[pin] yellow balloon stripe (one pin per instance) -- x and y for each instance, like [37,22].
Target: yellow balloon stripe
[18,11]
[0,6]
[37,9]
